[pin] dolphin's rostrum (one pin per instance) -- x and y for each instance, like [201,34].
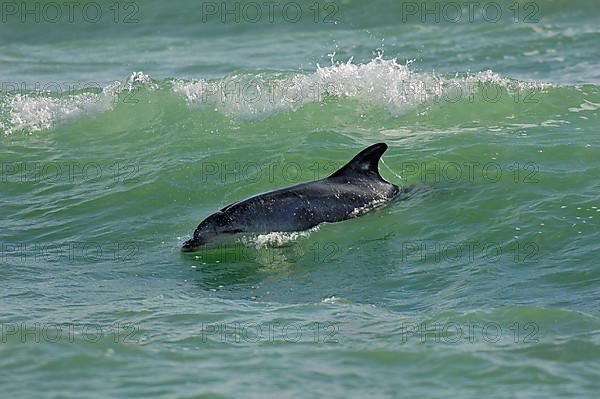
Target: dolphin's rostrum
[353,190]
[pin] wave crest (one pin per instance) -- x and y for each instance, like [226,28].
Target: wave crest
[380,82]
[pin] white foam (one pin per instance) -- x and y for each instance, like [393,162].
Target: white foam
[276,239]
[332,300]
[379,82]
[42,110]
[383,82]
[137,79]
[369,207]
[33,113]
[586,106]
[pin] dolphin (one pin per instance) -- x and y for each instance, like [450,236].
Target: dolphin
[353,190]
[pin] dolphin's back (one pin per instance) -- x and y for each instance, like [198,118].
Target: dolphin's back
[294,209]
[354,188]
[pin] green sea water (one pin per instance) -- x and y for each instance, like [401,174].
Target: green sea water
[123,124]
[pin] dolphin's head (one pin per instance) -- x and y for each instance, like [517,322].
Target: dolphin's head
[192,245]
[208,230]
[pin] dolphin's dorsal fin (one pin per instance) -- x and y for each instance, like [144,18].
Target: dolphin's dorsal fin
[365,162]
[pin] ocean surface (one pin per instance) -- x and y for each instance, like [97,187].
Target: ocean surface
[124,124]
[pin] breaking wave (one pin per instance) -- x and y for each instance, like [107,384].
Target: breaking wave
[378,83]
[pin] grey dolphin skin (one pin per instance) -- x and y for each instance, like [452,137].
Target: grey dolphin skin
[351,191]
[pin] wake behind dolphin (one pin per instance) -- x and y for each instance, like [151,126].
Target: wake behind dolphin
[353,190]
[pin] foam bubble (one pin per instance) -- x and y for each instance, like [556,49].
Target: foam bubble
[276,239]
[383,82]
[32,113]
[42,110]
[369,207]
[379,82]
[585,106]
